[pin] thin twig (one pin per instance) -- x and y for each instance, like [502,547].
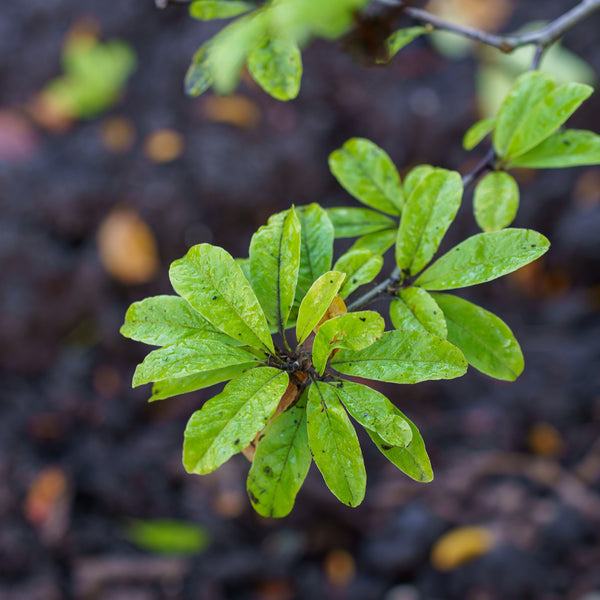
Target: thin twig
[381,288]
[485,164]
[507,43]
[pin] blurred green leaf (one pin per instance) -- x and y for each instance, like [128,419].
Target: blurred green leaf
[379,242]
[402,38]
[413,178]
[207,10]
[167,536]
[477,132]
[496,201]
[276,65]
[199,75]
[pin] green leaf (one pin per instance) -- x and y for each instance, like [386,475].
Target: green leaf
[366,172]
[352,222]
[355,331]
[274,265]
[167,388]
[199,75]
[547,116]
[483,257]
[167,536]
[360,266]
[213,283]
[496,201]
[529,89]
[316,251]
[416,309]
[281,463]
[334,445]
[569,148]
[276,65]
[244,264]
[427,214]
[402,38]
[411,460]
[374,411]
[403,357]
[164,320]
[379,242]
[477,132]
[486,341]
[413,178]
[229,48]
[316,302]
[227,423]
[207,10]
[188,357]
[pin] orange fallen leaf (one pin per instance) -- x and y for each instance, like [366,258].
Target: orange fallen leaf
[127,247]
[117,134]
[545,440]
[460,546]
[163,145]
[235,110]
[340,567]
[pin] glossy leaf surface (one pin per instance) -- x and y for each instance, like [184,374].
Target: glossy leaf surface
[360,266]
[274,265]
[427,214]
[413,177]
[547,116]
[334,445]
[412,459]
[164,320]
[483,257]
[276,65]
[529,89]
[366,172]
[352,222]
[316,249]
[354,331]
[486,341]
[167,388]
[374,411]
[416,309]
[379,242]
[403,357]
[569,148]
[281,463]
[227,423]
[496,201]
[188,357]
[315,303]
[213,283]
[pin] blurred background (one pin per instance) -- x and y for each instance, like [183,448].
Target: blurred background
[108,172]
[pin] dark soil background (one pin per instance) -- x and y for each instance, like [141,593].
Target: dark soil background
[81,453]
